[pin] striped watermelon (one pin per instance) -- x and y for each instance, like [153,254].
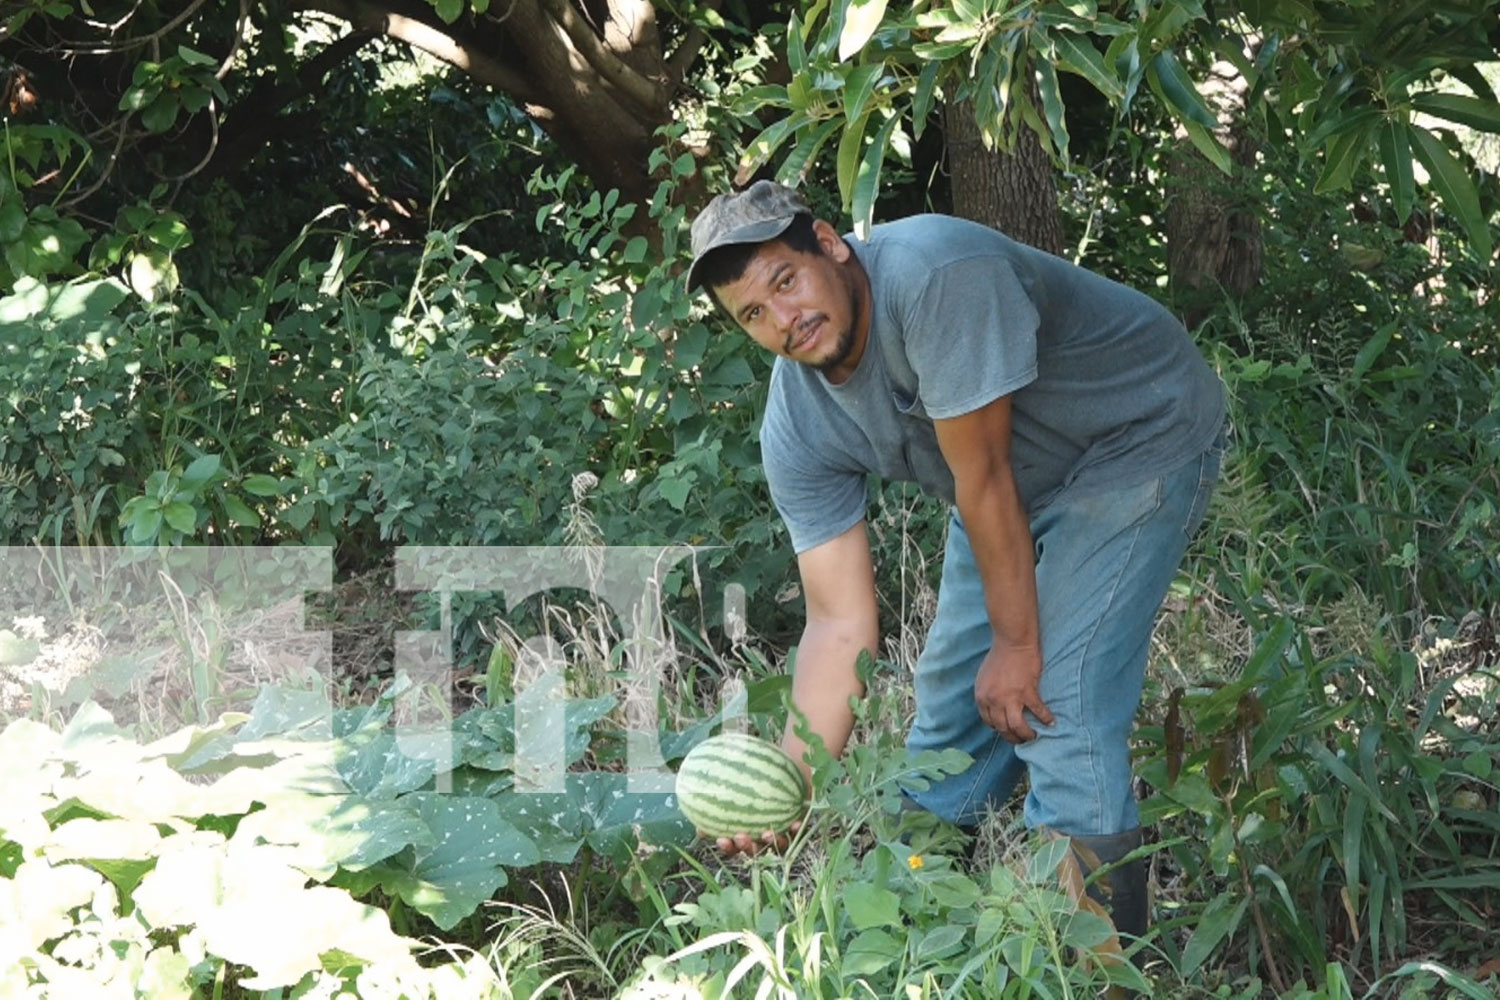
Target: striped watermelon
[733,783]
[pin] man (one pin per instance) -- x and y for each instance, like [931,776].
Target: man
[1073,426]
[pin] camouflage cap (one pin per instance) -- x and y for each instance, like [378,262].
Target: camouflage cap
[761,212]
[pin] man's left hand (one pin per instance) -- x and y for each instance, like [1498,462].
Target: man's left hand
[1007,687]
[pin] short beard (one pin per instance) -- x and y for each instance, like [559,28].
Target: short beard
[845,345]
[841,351]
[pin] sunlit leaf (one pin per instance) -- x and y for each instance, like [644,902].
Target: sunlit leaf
[861,19]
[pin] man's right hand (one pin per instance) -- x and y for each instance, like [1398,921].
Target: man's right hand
[746,844]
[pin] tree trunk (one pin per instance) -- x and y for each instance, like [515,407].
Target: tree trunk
[1214,240]
[1012,192]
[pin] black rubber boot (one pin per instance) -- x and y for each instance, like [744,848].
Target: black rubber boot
[1122,890]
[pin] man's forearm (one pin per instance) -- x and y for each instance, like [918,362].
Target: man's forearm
[1000,537]
[822,684]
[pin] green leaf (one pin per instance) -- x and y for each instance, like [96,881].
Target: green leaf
[240,513]
[858,87]
[1178,89]
[869,952]
[201,471]
[1193,791]
[1371,351]
[1460,108]
[449,881]
[868,906]
[12,220]
[1454,185]
[448,10]
[1076,54]
[261,485]
[793,170]
[160,113]
[861,19]
[180,516]
[1220,919]
[1209,145]
[922,101]
[1346,151]
[1395,154]
[1052,107]
[195,58]
[851,145]
[867,184]
[764,146]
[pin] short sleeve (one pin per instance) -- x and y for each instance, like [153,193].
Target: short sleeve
[817,499]
[970,335]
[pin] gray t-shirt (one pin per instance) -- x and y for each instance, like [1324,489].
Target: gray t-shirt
[1107,388]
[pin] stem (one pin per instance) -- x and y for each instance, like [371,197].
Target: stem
[1272,969]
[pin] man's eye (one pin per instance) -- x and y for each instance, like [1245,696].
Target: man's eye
[785,283]
[753,315]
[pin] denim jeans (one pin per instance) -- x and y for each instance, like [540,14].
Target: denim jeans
[1103,565]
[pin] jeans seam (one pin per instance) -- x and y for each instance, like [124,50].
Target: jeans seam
[1097,808]
[978,771]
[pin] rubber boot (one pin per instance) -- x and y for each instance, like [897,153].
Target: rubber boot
[1122,890]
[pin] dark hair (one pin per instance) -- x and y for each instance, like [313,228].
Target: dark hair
[727,264]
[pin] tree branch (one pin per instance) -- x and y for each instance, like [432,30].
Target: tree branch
[680,61]
[437,43]
[647,95]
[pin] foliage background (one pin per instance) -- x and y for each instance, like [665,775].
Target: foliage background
[330,286]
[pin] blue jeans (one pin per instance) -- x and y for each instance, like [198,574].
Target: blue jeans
[1103,565]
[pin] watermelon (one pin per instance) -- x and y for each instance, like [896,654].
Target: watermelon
[733,783]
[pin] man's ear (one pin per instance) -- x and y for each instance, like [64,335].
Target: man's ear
[829,239]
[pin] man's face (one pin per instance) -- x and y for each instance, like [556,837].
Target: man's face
[808,308]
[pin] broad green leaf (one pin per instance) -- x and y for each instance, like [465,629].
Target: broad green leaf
[851,146]
[1395,154]
[922,101]
[939,941]
[861,19]
[1370,352]
[201,470]
[1460,108]
[467,863]
[764,146]
[1052,107]
[161,113]
[325,832]
[858,87]
[1193,791]
[1209,145]
[1076,54]
[622,818]
[35,905]
[1220,919]
[868,906]
[1454,185]
[253,908]
[448,10]
[1346,151]
[261,485]
[1179,91]
[871,951]
[240,513]
[867,183]
[793,170]
[180,516]
[12,220]
[195,58]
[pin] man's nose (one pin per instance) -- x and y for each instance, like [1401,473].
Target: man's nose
[786,315]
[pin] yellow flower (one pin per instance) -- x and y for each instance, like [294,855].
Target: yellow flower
[914,862]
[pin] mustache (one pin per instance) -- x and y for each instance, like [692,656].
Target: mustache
[801,330]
